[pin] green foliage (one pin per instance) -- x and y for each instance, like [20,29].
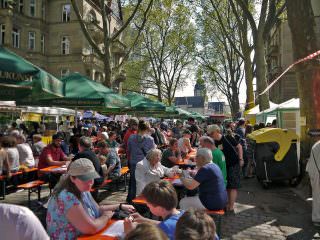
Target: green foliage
[166,48]
[219,44]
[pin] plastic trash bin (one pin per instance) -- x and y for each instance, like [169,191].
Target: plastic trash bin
[275,155]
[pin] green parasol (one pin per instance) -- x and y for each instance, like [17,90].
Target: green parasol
[20,79]
[83,93]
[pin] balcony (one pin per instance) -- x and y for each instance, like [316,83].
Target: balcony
[274,73]
[273,50]
[92,59]
[119,48]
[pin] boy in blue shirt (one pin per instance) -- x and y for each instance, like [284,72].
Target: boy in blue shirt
[162,201]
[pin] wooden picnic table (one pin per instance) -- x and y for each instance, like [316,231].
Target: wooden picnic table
[186,160]
[53,169]
[98,235]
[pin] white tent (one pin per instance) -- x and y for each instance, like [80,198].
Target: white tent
[53,111]
[251,113]
[9,106]
[286,113]
[291,104]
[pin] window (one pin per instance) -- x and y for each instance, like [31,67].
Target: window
[2,33]
[64,72]
[20,6]
[4,3]
[65,45]
[43,10]
[92,18]
[32,8]
[66,11]
[32,41]
[15,38]
[42,44]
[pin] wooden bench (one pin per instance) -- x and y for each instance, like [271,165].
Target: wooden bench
[217,216]
[140,201]
[28,170]
[102,185]
[3,183]
[3,187]
[124,173]
[34,186]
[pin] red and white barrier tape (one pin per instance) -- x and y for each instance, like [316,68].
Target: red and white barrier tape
[311,56]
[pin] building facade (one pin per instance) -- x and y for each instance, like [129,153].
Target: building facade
[48,34]
[279,56]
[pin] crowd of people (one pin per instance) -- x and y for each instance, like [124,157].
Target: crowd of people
[153,152]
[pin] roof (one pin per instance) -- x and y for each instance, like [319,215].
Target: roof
[291,104]
[255,110]
[194,101]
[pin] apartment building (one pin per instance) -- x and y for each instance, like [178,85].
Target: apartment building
[48,34]
[279,57]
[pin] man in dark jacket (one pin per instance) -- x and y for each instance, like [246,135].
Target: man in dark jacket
[85,151]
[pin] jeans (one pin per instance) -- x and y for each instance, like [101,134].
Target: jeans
[132,183]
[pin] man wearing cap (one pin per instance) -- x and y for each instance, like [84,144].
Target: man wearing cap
[52,155]
[234,159]
[85,145]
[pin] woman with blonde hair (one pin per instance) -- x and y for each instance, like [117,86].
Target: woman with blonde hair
[150,169]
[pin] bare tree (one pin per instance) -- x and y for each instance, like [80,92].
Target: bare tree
[270,10]
[245,47]
[109,38]
[220,55]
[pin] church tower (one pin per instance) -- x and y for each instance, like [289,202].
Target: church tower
[199,90]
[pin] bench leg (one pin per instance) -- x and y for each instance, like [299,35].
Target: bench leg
[39,193]
[29,196]
[218,220]
[3,188]
[125,181]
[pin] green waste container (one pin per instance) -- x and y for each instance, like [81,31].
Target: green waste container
[275,155]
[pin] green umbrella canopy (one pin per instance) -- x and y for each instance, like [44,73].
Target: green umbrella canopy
[20,79]
[170,112]
[141,103]
[182,113]
[140,106]
[197,116]
[82,92]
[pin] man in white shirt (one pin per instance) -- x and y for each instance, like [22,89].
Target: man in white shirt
[313,169]
[19,222]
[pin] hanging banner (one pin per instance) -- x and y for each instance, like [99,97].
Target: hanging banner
[309,57]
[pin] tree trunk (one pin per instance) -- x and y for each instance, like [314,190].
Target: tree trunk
[261,74]
[235,105]
[107,67]
[249,80]
[159,90]
[308,76]
[304,42]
